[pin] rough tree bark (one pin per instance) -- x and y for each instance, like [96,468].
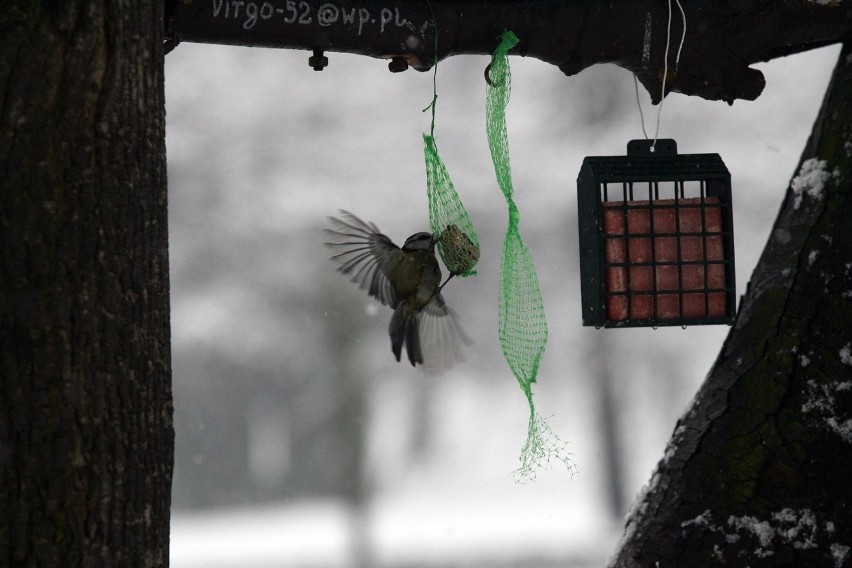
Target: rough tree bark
[86,438]
[757,472]
[722,38]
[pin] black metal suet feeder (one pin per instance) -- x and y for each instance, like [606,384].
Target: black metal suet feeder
[656,238]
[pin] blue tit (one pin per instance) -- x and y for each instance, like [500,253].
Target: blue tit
[407,279]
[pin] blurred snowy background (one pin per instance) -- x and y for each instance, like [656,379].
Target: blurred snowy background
[300,441]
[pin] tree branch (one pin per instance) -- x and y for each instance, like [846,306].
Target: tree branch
[722,38]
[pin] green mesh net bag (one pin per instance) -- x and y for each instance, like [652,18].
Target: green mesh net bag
[458,244]
[522,322]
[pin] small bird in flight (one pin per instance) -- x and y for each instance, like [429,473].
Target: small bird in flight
[407,279]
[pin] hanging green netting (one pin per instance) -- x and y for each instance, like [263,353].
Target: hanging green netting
[458,244]
[522,323]
[457,241]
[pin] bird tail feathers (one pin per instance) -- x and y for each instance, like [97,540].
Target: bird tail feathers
[404,330]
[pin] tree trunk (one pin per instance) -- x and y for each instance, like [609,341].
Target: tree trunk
[86,438]
[757,471]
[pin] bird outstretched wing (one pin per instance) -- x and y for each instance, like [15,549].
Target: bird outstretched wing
[365,254]
[442,336]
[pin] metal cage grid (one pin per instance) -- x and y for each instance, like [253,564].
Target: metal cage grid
[656,238]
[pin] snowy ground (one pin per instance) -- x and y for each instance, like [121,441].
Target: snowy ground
[401,531]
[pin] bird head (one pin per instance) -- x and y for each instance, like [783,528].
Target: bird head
[420,241]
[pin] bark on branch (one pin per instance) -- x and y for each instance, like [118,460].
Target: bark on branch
[722,38]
